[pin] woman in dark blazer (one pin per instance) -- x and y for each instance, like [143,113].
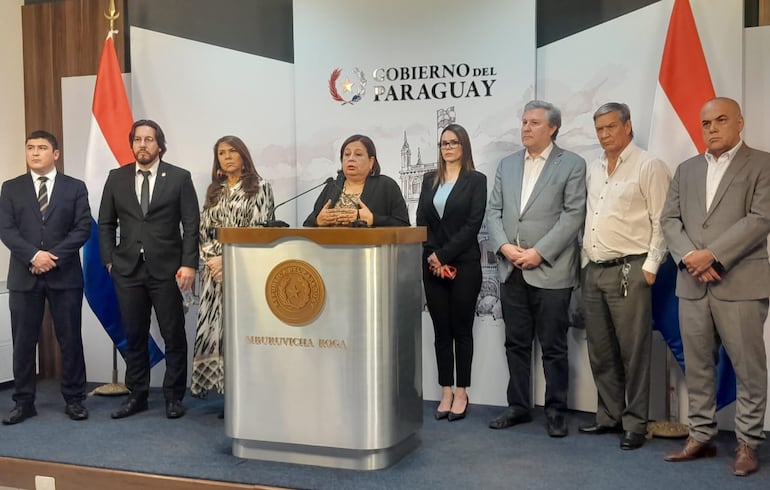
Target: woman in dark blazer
[452,204]
[360,196]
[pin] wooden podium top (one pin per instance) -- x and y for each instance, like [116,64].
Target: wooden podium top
[326,236]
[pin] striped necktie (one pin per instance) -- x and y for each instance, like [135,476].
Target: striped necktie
[42,195]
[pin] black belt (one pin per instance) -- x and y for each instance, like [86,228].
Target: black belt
[619,260]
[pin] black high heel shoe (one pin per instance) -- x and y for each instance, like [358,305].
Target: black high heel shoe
[459,416]
[442,414]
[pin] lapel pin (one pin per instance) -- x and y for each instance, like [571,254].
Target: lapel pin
[163,174]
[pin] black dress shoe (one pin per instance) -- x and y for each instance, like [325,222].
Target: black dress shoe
[20,413]
[510,418]
[556,425]
[76,411]
[442,414]
[459,416]
[598,429]
[130,407]
[174,409]
[631,440]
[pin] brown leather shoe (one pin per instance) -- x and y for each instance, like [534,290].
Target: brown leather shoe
[692,450]
[745,460]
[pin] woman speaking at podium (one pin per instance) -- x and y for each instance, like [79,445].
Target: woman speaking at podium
[360,196]
[236,197]
[451,205]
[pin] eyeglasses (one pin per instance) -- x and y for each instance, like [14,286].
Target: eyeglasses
[147,140]
[449,144]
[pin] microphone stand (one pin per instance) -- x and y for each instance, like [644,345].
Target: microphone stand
[277,223]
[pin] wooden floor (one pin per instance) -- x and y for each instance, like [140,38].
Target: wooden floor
[20,474]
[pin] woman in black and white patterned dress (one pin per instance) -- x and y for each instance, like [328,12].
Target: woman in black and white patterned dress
[236,197]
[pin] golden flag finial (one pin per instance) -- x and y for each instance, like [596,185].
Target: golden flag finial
[112,16]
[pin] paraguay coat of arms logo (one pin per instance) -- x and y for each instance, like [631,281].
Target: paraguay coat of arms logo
[347,87]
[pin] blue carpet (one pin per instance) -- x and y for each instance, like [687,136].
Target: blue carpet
[463,454]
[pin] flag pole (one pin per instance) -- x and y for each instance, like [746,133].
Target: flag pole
[114,388]
[668,428]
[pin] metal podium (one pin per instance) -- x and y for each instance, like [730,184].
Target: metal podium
[323,359]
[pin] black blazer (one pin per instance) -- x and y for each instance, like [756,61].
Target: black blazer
[454,237]
[65,228]
[165,248]
[381,195]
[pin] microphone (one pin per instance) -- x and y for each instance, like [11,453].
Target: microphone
[277,223]
[358,222]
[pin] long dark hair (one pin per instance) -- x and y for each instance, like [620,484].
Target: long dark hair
[371,151]
[466,162]
[250,179]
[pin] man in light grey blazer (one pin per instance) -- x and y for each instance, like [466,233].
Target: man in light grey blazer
[534,215]
[716,220]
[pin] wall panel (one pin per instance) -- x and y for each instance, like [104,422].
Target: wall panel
[62,39]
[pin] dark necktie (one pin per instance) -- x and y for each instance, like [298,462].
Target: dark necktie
[144,199]
[42,195]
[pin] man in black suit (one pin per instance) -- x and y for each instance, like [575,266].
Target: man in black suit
[151,261]
[44,220]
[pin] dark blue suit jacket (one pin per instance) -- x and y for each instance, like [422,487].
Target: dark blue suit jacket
[65,227]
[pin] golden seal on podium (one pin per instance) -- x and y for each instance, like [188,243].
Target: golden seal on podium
[295,292]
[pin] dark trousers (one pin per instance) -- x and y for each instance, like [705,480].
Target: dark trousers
[138,294]
[452,307]
[27,308]
[619,334]
[530,311]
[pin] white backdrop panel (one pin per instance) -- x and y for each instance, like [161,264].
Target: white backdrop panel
[349,35]
[198,92]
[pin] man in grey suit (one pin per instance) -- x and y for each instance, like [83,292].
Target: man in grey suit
[716,220]
[535,212]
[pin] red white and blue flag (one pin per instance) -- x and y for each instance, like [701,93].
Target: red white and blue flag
[684,85]
[108,147]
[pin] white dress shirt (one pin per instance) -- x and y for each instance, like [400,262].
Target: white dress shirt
[624,208]
[715,170]
[139,178]
[48,185]
[533,167]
